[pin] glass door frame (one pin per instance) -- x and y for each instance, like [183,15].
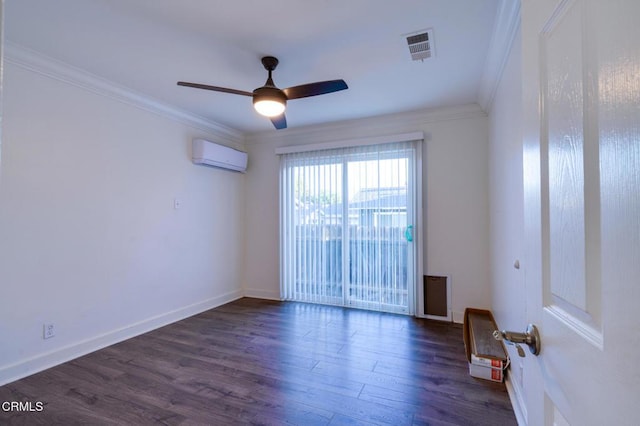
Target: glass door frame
[415,190]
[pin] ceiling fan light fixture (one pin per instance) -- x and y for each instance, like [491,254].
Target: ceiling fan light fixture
[269,101]
[269,108]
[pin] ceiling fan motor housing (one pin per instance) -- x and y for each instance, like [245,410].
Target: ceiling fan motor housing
[265,93]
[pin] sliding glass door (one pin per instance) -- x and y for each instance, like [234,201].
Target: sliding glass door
[347,221]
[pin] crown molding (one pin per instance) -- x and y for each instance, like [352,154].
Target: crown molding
[506,25]
[44,65]
[381,124]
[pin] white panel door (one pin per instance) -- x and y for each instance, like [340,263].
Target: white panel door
[581,92]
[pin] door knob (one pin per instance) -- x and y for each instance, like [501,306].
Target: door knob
[530,337]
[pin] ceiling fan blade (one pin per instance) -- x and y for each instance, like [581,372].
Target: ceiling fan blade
[215,88]
[313,89]
[279,122]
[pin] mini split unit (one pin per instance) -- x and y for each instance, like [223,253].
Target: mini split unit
[212,154]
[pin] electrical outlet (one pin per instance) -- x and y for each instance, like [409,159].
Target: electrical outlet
[48,331]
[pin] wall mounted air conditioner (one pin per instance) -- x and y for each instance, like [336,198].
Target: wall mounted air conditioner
[213,154]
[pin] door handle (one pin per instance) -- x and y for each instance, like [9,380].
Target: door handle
[408,233]
[530,337]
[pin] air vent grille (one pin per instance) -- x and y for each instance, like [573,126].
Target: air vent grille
[420,44]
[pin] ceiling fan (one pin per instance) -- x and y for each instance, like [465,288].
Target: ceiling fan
[270,101]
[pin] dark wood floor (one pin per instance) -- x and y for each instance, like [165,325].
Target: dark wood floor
[263,362]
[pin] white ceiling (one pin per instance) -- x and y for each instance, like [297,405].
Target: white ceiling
[148,45]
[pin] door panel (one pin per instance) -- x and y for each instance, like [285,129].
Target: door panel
[379,210]
[581,93]
[570,173]
[562,95]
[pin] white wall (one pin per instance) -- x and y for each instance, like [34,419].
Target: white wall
[455,185]
[506,204]
[89,237]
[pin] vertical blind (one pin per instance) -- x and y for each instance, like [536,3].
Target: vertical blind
[347,222]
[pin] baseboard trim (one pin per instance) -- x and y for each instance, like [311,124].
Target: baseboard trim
[515,396]
[41,362]
[458,317]
[261,294]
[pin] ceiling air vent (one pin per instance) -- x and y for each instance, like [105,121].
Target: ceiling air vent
[420,44]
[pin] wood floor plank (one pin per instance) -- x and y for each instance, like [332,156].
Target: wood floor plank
[260,362]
